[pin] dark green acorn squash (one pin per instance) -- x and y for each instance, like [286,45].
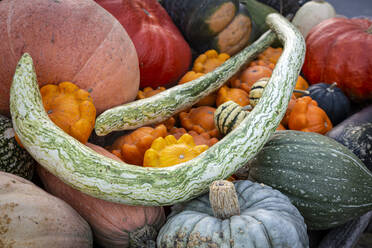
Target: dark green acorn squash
[223,25]
[332,100]
[326,182]
[13,158]
[355,133]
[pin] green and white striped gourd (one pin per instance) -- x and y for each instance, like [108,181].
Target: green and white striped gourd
[257,90]
[228,116]
[102,177]
[326,182]
[13,158]
[161,106]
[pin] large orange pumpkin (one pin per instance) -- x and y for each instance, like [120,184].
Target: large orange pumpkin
[338,50]
[70,40]
[113,224]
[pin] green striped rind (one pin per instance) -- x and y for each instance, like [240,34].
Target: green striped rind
[13,158]
[101,177]
[171,101]
[326,182]
[228,116]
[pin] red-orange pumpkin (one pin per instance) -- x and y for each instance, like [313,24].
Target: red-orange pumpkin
[113,224]
[70,40]
[338,50]
[163,53]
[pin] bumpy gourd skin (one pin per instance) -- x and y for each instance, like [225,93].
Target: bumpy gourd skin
[169,151]
[306,116]
[70,108]
[209,61]
[131,147]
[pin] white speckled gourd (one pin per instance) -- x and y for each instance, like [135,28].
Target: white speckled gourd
[326,182]
[267,219]
[101,177]
[13,158]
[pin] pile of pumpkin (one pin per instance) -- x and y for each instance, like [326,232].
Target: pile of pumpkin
[255,212]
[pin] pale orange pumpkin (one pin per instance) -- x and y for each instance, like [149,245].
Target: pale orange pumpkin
[113,224]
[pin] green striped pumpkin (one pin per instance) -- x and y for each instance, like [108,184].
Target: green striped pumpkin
[326,182]
[228,116]
[102,177]
[13,158]
[257,90]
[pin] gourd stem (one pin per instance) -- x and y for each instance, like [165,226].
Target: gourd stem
[369,30]
[332,86]
[304,92]
[223,199]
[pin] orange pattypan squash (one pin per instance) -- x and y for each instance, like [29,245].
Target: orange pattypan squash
[199,139]
[306,116]
[131,147]
[236,95]
[251,75]
[209,61]
[70,108]
[263,63]
[301,84]
[169,151]
[200,120]
[271,55]
[208,100]
[148,91]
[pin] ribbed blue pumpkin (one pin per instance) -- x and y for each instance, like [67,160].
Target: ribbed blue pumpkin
[266,219]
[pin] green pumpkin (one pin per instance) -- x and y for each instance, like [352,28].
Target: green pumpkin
[13,158]
[254,216]
[326,182]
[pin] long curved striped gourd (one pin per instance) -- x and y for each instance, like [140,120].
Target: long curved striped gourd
[173,100]
[101,177]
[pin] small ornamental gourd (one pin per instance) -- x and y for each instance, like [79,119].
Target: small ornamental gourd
[326,182]
[169,151]
[271,55]
[251,75]
[70,108]
[107,179]
[228,116]
[238,214]
[332,100]
[200,120]
[306,116]
[237,95]
[13,158]
[199,139]
[131,147]
[209,61]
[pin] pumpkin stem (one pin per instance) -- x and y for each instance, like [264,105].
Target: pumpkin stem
[223,199]
[332,86]
[369,30]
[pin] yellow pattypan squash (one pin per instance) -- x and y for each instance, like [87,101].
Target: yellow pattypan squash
[169,151]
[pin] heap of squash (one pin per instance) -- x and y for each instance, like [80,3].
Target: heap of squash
[122,65]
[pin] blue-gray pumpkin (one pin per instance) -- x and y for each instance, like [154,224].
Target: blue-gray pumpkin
[255,215]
